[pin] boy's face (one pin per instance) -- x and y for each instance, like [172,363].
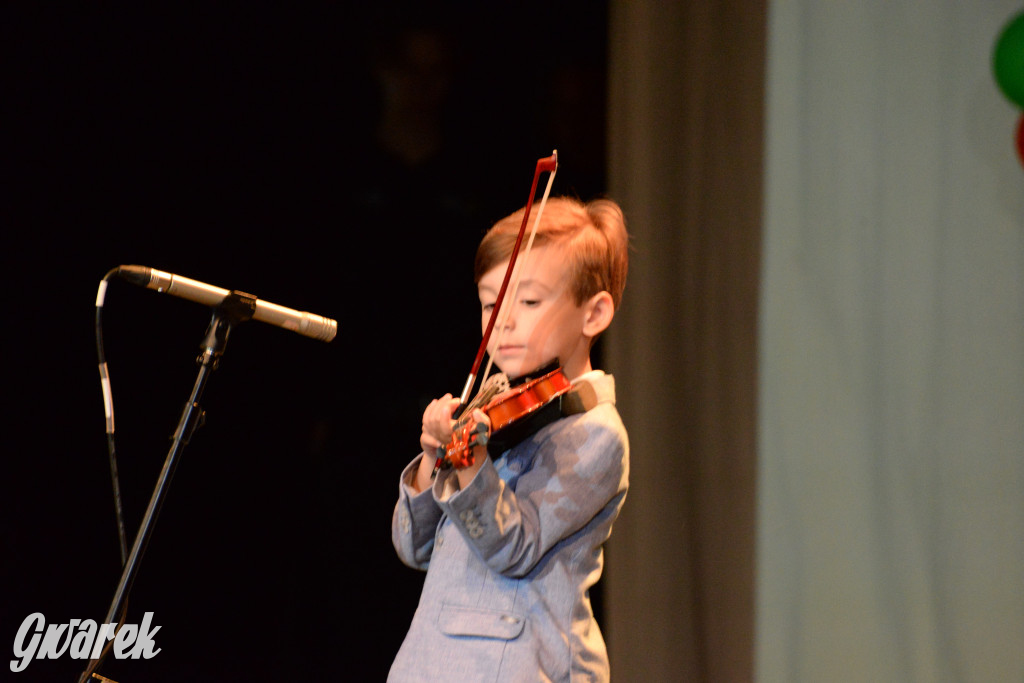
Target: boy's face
[543,323]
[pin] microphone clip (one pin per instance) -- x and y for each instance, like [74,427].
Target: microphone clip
[237,307]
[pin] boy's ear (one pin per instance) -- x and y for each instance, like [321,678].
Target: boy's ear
[599,311]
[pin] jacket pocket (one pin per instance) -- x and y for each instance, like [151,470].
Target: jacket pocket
[484,623]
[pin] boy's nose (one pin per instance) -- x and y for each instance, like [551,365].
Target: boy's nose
[510,319]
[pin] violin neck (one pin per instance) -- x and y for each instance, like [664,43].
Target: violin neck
[494,385]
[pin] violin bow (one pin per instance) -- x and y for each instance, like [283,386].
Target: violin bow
[549,164]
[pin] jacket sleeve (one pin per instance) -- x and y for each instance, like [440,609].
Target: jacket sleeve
[574,474]
[414,521]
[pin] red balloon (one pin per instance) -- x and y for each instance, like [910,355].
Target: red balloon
[1020,138]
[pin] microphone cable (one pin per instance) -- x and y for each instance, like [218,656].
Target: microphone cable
[108,409]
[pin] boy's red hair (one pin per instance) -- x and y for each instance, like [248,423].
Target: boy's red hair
[593,234]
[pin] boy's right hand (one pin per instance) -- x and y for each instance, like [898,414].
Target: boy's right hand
[437,432]
[437,423]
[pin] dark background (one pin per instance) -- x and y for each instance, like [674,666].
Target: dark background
[338,160]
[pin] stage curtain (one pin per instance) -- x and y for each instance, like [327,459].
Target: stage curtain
[685,159]
[891,406]
[822,371]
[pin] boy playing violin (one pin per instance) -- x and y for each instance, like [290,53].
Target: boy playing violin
[512,541]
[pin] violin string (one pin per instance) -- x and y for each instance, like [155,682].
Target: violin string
[506,310]
[490,388]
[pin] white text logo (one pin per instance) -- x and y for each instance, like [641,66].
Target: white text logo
[81,640]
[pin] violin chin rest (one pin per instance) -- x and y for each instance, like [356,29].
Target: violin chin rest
[581,398]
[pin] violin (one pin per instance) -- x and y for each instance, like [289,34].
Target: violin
[515,413]
[518,410]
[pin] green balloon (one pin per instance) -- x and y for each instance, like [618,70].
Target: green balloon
[1008,60]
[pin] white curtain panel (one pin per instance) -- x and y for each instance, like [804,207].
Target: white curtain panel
[891,351]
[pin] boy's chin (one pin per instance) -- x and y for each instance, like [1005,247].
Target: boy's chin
[517,368]
[513,369]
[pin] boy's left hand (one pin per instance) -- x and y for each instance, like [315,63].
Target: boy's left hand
[466,474]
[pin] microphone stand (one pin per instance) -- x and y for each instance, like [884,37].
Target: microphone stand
[236,308]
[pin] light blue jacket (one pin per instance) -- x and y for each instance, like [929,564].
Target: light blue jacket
[511,558]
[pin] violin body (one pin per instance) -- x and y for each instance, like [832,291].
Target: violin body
[514,414]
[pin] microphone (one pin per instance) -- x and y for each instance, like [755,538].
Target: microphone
[308,324]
